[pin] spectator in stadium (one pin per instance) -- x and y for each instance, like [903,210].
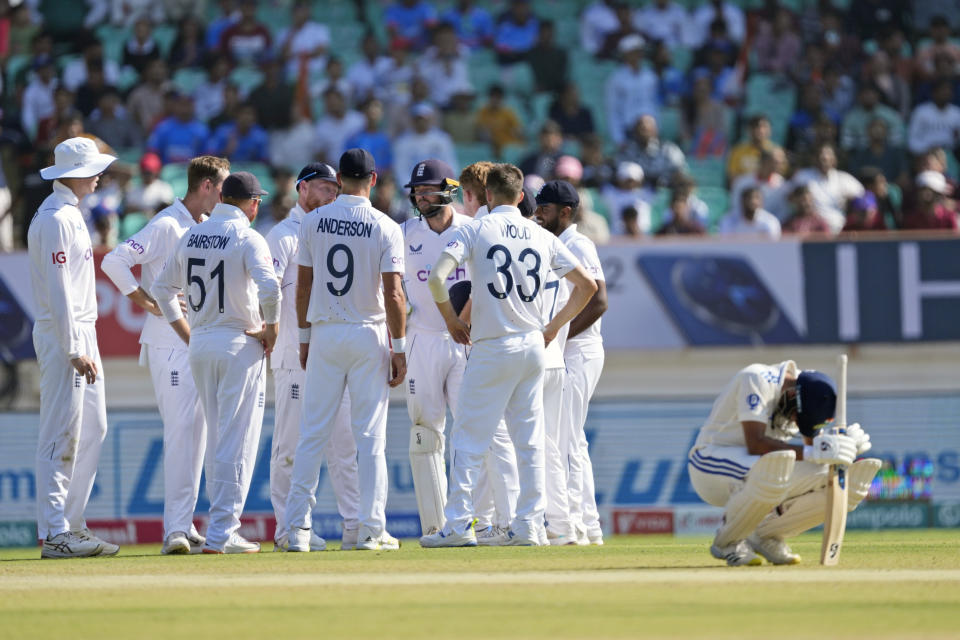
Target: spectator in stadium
[801,131]
[444,64]
[459,120]
[660,159]
[516,33]
[543,161]
[337,124]
[681,220]
[625,29]
[304,40]
[372,137]
[597,169]
[876,185]
[409,23]
[935,123]
[399,88]
[228,16]
[37,108]
[273,98]
[768,177]
[146,101]
[879,152]
[664,21]
[597,21]
[838,91]
[631,91]
[867,18]
[208,96]
[703,127]
[938,46]
[88,94]
[242,140]
[246,41]
[777,46]
[424,140]
[589,222]
[473,24]
[894,89]
[628,192]
[830,187]
[575,118]
[152,194]
[498,123]
[944,69]
[685,186]
[112,123]
[23,27]
[278,207]
[707,13]
[141,47]
[180,137]
[386,197]
[864,215]
[287,148]
[719,45]
[363,73]
[806,217]
[548,61]
[333,79]
[231,105]
[750,218]
[671,81]
[745,156]
[75,73]
[930,210]
[189,47]
[854,135]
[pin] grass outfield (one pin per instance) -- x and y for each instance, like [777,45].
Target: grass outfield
[896,584]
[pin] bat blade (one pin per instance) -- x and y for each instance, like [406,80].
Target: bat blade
[835,522]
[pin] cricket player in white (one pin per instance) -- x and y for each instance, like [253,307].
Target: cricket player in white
[184,427]
[436,362]
[226,270]
[73,414]
[509,258]
[316,186]
[349,282]
[771,490]
[583,355]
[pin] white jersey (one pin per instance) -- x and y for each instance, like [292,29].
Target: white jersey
[481,212]
[555,295]
[150,248]
[349,244]
[423,247]
[61,269]
[589,340]
[750,397]
[509,258]
[225,270]
[283,240]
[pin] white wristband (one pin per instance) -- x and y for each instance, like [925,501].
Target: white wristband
[304,335]
[807,451]
[399,345]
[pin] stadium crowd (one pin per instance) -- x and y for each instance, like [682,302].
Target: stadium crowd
[748,117]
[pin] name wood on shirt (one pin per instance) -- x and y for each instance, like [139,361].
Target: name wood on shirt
[513,231]
[351,228]
[203,241]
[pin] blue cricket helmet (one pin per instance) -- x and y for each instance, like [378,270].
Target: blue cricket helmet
[816,401]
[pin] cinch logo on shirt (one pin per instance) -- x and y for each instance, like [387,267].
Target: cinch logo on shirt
[458,274]
[59,257]
[136,246]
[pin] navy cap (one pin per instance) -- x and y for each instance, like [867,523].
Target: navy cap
[816,401]
[317,171]
[430,171]
[558,192]
[357,163]
[242,185]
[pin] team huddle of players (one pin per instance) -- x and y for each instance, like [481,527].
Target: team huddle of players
[494,315]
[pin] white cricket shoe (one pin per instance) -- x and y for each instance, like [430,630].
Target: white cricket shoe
[349,540]
[298,540]
[774,550]
[492,536]
[559,539]
[109,549]
[195,539]
[176,544]
[738,554]
[236,544]
[452,539]
[281,543]
[581,535]
[515,539]
[366,541]
[69,545]
[595,538]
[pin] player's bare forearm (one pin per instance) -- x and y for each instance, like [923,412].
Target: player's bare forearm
[466,311]
[759,444]
[595,308]
[182,329]
[395,304]
[304,285]
[459,330]
[143,300]
[583,289]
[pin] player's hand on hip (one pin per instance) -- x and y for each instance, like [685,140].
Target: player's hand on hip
[860,437]
[267,336]
[459,330]
[304,352]
[398,368]
[548,336]
[833,448]
[183,305]
[86,367]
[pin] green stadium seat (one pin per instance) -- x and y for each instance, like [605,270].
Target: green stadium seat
[16,64]
[468,153]
[176,174]
[346,36]
[258,169]
[131,223]
[165,35]
[708,172]
[668,123]
[128,78]
[187,80]
[599,204]
[658,208]
[247,78]
[113,39]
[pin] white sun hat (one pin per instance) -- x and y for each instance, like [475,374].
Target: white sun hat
[76,158]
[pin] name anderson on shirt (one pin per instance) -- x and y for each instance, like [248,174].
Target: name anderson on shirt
[345,227]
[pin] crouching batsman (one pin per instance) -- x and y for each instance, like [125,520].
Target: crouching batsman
[773,490]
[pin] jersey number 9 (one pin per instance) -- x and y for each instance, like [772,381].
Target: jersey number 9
[346,273]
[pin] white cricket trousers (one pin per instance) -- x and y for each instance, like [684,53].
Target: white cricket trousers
[230,373]
[341,452]
[355,357]
[583,374]
[435,365]
[557,515]
[504,377]
[73,424]
[184,434]
[498,486]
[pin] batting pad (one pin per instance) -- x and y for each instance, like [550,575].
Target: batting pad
[859,478]
[429,476]
[766,486]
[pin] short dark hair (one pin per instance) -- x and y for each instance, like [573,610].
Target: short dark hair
[205,167]
[506,181]
[755,120]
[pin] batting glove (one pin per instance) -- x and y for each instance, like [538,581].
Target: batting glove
[861,437]
[832,448]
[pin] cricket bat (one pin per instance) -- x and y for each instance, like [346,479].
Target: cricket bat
[835,523]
